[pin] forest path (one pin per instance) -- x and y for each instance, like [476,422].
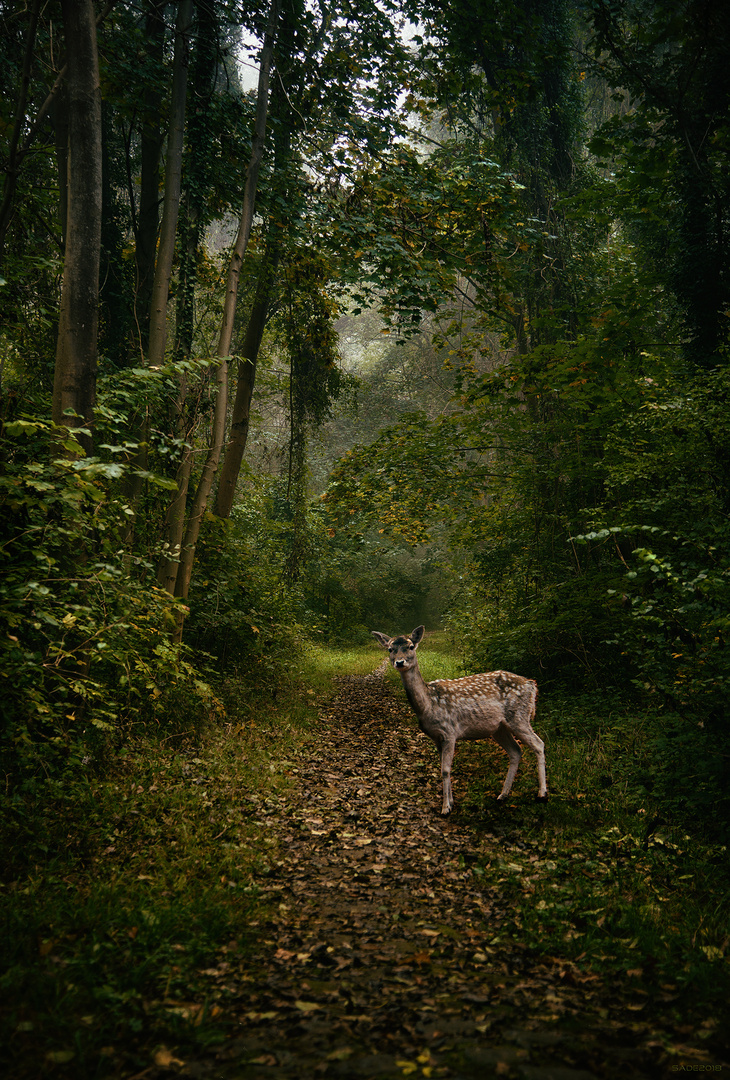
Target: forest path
[383,955]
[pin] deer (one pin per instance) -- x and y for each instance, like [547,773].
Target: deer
[494,705]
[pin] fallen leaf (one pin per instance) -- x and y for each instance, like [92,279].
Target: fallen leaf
[60,1057]
[420,958]
[342,1053]
[307,1006]
[165,1058]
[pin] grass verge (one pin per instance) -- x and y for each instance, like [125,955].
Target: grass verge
[124,887]
[607,875]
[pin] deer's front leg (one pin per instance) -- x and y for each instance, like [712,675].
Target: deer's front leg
[447,757]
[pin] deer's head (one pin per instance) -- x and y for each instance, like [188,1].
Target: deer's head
[401,650]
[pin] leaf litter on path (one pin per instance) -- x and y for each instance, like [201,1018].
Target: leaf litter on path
[382,954]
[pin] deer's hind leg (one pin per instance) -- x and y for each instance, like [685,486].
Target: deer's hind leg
[504,737]
[529,738]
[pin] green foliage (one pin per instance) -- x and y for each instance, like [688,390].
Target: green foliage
[629,807]
[85,647]
[354,585]
[670,148]
[668,471]
[242,611]
[415,222]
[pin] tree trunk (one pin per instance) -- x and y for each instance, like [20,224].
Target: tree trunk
[166,248]
[240,416]
[13,160]
[175,525]
[74,385]
[173,184]
[58,111]
[282,108]
[149,194]
[205,485]
[17,154]
[198,168]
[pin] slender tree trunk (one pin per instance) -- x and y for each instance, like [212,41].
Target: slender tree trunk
[205,485]
[74,385]
[198,166]
[166,248]
[173,184]
[13,162]
[240,418]
[149,195]
[241,413]
[175,525]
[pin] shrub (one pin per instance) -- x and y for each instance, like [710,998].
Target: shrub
[84,645]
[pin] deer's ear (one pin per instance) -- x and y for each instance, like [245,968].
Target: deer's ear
[418,634]
[383,639]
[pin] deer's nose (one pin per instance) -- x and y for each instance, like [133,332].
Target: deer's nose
[399,663]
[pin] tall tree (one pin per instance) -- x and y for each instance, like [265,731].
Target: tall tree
[146,222]
[186,549]
[74,387]
[173,185]
[14,156]
[670,148]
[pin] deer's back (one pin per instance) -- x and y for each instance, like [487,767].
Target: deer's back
[476,705]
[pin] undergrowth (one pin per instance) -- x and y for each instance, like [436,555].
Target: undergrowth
[120,888]
[609,873]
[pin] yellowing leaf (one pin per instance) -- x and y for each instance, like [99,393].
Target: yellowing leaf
[712,952]
[342,1053]
[60,1057]
[307,1006]
[165,1058]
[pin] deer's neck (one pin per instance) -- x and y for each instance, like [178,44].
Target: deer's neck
[416,689]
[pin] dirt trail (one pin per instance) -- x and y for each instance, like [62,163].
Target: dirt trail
[382,956]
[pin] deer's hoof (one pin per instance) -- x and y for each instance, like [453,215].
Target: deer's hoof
[542,798]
